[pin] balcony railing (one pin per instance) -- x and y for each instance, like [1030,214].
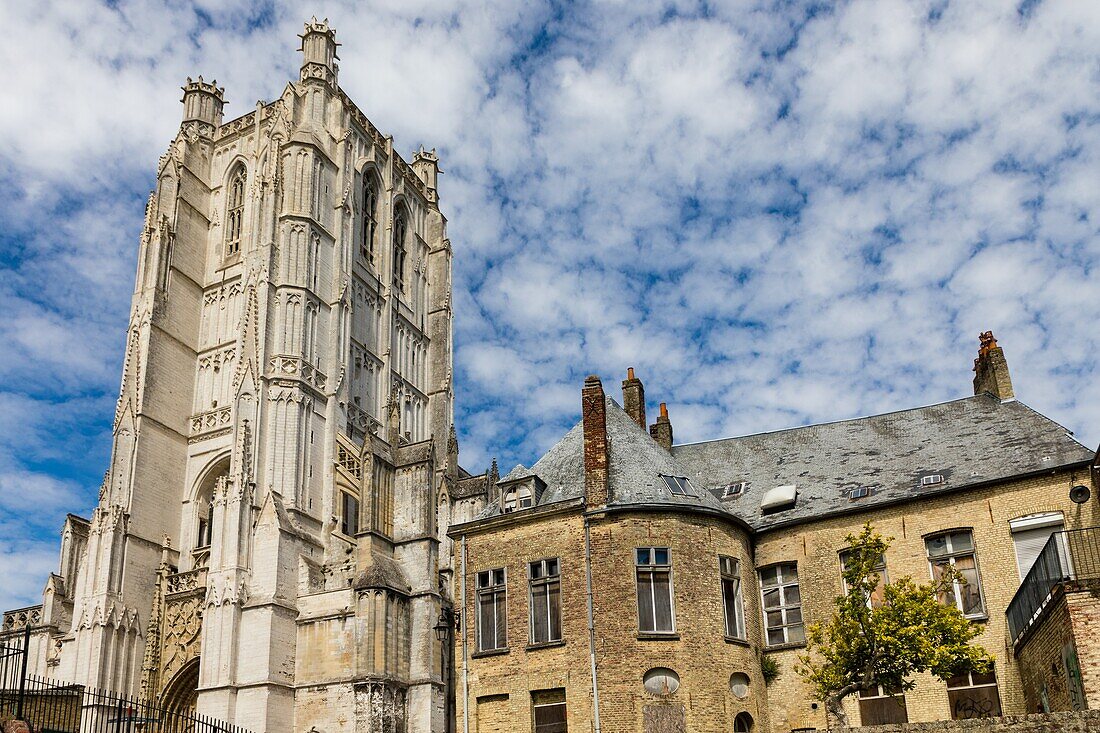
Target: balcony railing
[1067,556]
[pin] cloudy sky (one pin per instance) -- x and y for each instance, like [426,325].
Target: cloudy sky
[779,212]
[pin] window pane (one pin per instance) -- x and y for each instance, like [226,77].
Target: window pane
[729,601]
[642,556]
[771,598]
[767,577]
[937,546]
[645,602]
[775,636]
[501,620]
[971,593]
[794,616]
[775,618]
[552,567]
[486,626]
[989,678]
[540,627]
[961,542]
[555,612]
[796,634]
[791,595]
[660,556]
[662,598]
[536,570]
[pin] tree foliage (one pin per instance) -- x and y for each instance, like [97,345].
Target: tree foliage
[883,635]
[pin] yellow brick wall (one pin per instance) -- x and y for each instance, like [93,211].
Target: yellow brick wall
[700,655]
[987,512]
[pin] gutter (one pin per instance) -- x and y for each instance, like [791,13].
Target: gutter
[591,626]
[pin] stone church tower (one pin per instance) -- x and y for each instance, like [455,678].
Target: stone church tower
[266,547]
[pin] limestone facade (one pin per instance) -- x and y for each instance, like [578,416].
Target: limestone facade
[266,544]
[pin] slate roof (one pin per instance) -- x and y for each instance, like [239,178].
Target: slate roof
[969,441]
[634,468]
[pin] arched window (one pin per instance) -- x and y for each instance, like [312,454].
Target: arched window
[370,218]
[509,501]
[524,495]
[234,212]
[742,723]
[400,233]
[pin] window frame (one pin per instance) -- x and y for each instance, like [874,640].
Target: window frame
[783,608]
[349,522]
[881,694]
[652,569]
[544,581]
[972,686]
[733,575]
[951,556]
[490,590]
[884,578]
[552,693]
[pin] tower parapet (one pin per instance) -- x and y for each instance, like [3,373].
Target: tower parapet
[319,51]
[426,166]
[203,102]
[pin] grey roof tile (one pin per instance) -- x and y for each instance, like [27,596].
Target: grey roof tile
[969,441]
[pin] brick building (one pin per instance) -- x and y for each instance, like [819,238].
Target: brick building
[624,583]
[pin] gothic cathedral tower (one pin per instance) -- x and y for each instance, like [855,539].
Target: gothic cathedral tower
[266,547]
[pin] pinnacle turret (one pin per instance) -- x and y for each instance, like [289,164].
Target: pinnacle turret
[203,101]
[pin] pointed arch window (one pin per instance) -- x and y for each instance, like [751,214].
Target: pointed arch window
[370,218]
[400,234]
[234,212]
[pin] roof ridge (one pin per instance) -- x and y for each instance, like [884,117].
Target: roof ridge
[847,419]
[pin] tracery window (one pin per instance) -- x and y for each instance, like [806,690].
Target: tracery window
[234,212]
[400,234]
[370,218]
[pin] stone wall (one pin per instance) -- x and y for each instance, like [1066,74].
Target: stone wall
[1067,722]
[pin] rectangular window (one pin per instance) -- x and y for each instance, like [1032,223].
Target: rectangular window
[956,550]
[653,566]
[349,514]
[878,595]
[492,624]
[882,707]
[732,603]
[678,485]
[545,601]
[1030,535]
[548,708]
[782,604]
[974,695]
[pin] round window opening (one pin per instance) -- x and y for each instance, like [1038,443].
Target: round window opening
[742,723]
[661,681]
[739,685]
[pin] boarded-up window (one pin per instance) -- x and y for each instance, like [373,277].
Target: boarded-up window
[492,714]
[882,707]
[663,719]
[548,708]
[974,696]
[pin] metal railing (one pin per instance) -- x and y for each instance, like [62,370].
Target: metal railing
[1070,555]
[50,706]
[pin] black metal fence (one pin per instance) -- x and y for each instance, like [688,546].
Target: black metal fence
[1070,555]
[50,706]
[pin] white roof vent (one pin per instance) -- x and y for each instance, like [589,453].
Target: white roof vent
[781,497]
[931,479]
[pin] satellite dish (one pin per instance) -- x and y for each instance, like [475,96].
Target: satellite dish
[1079,494]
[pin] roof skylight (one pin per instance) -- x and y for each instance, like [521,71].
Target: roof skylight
[678,485]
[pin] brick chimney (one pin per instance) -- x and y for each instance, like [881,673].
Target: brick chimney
[991,370]
[662,429]
[594,415]
[634,398]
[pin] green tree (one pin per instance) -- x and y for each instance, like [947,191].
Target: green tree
[883,634]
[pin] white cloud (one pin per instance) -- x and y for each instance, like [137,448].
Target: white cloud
[777,215]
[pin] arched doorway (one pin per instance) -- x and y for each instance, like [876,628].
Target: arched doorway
[181,694]
[742,723]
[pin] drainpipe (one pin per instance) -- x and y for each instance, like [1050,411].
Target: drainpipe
[465,659]
[591,626]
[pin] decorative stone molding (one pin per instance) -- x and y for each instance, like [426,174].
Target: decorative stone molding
[22,618]
[216,419]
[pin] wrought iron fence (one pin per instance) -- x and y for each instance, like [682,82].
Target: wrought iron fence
[50,706]
[1070,555]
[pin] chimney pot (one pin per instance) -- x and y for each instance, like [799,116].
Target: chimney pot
[634,398]
[991,369]
[661,431]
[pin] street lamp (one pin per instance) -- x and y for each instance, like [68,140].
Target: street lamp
[447,620]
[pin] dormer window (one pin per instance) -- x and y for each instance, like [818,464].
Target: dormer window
[518,497]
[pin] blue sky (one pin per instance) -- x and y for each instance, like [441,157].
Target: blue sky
[779,212]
